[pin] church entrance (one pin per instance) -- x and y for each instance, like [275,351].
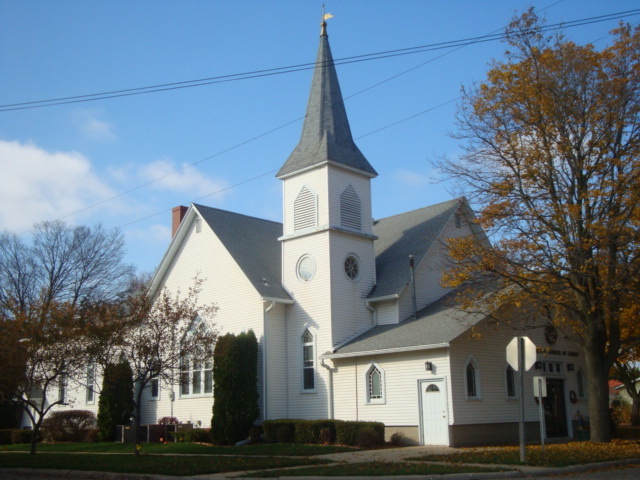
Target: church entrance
[434,418]
[555,409]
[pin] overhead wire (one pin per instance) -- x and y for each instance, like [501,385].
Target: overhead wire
[455,45]
[299,67]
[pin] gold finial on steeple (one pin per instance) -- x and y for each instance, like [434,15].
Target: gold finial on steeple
[323,25]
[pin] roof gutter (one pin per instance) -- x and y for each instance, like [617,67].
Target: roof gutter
[386,351]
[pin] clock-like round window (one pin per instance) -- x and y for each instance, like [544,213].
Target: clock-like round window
[306,268]
[352,267]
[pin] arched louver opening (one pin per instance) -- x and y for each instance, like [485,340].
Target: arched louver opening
[350,209]
[304,210]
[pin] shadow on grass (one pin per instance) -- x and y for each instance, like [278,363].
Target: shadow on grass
[177,465]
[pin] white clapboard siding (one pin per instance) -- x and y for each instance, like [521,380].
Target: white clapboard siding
[348,309]
[240,308]
[428,273]
[276,341]
[387,312]
[489,351]
[402,372]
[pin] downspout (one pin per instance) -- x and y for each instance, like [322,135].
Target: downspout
[264,360]
[374,313]
[413,287]
[330,390]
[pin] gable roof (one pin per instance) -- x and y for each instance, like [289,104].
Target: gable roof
[410,233]
[326,134]
[436,325]
[253,243]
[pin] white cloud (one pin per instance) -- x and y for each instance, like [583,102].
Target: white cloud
[93,126]
[157,233]
[414,179]
[40,185]
[188,180]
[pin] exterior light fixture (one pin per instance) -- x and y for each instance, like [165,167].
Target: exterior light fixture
[428,366]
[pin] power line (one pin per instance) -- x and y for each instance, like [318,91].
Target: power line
[300,67]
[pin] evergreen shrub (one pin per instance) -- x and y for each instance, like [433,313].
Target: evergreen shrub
[364,434]
[22,436]
[115,405]
[235,380]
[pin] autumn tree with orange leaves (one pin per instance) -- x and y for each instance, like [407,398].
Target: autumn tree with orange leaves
[552,164]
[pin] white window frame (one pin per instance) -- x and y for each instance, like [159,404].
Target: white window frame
[508,368]
[154,387]
[195,372]
[90,391]
[304,366]
[477,379]
[62,388]
[369,385]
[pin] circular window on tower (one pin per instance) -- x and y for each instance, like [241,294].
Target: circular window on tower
[352,267]
[306,268]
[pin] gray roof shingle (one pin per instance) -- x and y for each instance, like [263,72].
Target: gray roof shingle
[326,135]
[410,233]
[438,323]
[253,243]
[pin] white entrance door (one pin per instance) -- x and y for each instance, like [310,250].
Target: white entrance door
[434,419]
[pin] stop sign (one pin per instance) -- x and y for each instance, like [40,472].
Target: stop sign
[529,353]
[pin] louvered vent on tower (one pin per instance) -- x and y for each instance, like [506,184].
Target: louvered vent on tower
[304,210]
[350,215]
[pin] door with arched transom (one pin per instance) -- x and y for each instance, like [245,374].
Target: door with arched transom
[434,417]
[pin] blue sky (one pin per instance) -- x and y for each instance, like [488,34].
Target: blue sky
[113,160]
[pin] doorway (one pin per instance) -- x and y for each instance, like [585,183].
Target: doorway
[434,417]
[555,409]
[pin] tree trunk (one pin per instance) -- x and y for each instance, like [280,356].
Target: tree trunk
[34,437]
[598,395]
[635,412]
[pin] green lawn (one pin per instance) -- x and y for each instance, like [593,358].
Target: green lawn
[277,449]
[177,465]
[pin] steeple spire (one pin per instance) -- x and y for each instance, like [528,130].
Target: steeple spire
[326,135]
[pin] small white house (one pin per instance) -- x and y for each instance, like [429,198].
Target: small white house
[350,314]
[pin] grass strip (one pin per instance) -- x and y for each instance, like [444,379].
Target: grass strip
[270,449]
[175,465]
[555,455]
[373,469]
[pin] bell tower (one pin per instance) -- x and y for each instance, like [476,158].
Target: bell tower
[327,242]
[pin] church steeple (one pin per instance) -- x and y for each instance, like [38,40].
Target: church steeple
[326,135]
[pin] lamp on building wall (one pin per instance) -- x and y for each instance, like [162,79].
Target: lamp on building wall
[428,366]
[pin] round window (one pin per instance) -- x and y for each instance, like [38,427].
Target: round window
[306,268]
[352,267]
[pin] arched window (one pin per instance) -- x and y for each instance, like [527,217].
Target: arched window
[510,382]
[473,388]
[350,210]
[196,374]
[304,210]
[308,361]
[375,384]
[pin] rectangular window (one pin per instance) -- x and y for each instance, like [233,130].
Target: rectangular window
[511,382]
[155,387]
[91,379]
[62,388]
[308,370]
[196,378]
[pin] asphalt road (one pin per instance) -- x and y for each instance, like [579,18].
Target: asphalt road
[619,473]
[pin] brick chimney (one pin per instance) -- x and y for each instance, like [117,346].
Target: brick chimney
[177,214]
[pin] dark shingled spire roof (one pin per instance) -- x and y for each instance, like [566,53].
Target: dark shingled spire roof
[326,136]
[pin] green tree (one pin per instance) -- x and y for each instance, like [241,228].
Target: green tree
[115,406]
[235,373]
[552,163]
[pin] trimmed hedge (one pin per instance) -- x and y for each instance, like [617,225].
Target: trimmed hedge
[22,436]
[362,434]
[68,426]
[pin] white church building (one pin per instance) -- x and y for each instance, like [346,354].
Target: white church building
[350,314]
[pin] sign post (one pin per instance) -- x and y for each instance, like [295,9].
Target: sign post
[521,355]
[540,391]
